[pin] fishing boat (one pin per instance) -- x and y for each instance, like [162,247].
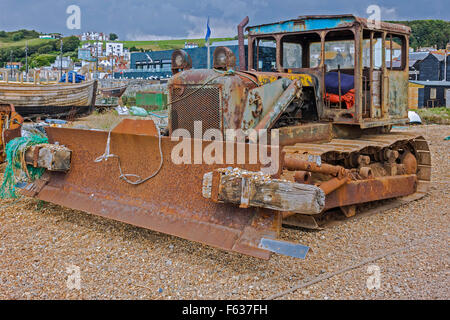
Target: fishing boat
[116,91]
[62,99]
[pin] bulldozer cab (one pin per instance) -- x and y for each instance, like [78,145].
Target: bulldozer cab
[360,66]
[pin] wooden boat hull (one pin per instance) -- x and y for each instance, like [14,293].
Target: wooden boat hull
[113,92]
[54,100]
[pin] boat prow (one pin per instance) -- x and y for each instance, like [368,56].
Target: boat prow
[49,100]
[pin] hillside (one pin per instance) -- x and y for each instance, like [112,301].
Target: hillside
[21,43]
[157,45]
[428,33]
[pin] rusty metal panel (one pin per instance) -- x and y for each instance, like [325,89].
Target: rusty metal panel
[171,202]
[361,191]
[229,105]
[131,126]
[397,92]
[317,132]
[260,100]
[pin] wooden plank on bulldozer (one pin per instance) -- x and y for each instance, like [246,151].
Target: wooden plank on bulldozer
[52,157]
[254,189]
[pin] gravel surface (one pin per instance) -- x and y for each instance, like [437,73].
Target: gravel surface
[41,243]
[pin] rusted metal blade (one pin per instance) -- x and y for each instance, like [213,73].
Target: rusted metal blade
[145,127]
[295,250]
[171,202]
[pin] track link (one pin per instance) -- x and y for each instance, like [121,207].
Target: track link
[340,149]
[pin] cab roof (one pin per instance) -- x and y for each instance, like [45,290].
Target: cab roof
[323,22]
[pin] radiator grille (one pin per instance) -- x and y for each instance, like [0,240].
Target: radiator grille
[193,103]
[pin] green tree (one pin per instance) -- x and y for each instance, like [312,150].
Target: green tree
[17,36]
[70,43]
[43,60]
[45,49]
[428,33]
[113,36]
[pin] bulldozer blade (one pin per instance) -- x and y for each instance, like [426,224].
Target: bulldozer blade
[171,202]
[284,247]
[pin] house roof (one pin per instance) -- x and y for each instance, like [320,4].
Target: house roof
[440,57]
[432,83]
[417,56]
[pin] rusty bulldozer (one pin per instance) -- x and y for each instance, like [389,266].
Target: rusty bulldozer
[327,88]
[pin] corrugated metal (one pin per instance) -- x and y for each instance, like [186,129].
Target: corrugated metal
[413,101]
[152,100]
[430,69]
[447,98]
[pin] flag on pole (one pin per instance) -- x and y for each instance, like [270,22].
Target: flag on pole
[208,31]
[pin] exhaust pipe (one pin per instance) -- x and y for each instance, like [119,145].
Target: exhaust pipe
[241,43]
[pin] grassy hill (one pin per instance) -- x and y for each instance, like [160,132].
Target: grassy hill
[7,43]
[157,45]
[42,52]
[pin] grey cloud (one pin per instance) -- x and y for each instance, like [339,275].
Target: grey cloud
[181,18]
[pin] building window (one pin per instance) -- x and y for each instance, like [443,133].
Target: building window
[432,93]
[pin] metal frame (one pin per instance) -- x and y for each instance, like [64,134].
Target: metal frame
[393,105]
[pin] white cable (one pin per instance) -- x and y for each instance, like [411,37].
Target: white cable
[125,176]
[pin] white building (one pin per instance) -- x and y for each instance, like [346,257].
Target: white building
[66,63]
[190,45]
[114,48]
[50,36]
[95,47]
[126,54]
[100,36]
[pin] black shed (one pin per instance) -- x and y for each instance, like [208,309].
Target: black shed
[432,93]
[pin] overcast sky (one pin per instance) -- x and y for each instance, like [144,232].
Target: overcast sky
[169,19]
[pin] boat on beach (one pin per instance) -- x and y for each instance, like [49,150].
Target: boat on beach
[62,99]
[116,91]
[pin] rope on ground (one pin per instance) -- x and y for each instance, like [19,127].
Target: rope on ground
[125,176]
[15,160]
[354,266]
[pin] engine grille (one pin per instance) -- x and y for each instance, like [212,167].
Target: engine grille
[193,103]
